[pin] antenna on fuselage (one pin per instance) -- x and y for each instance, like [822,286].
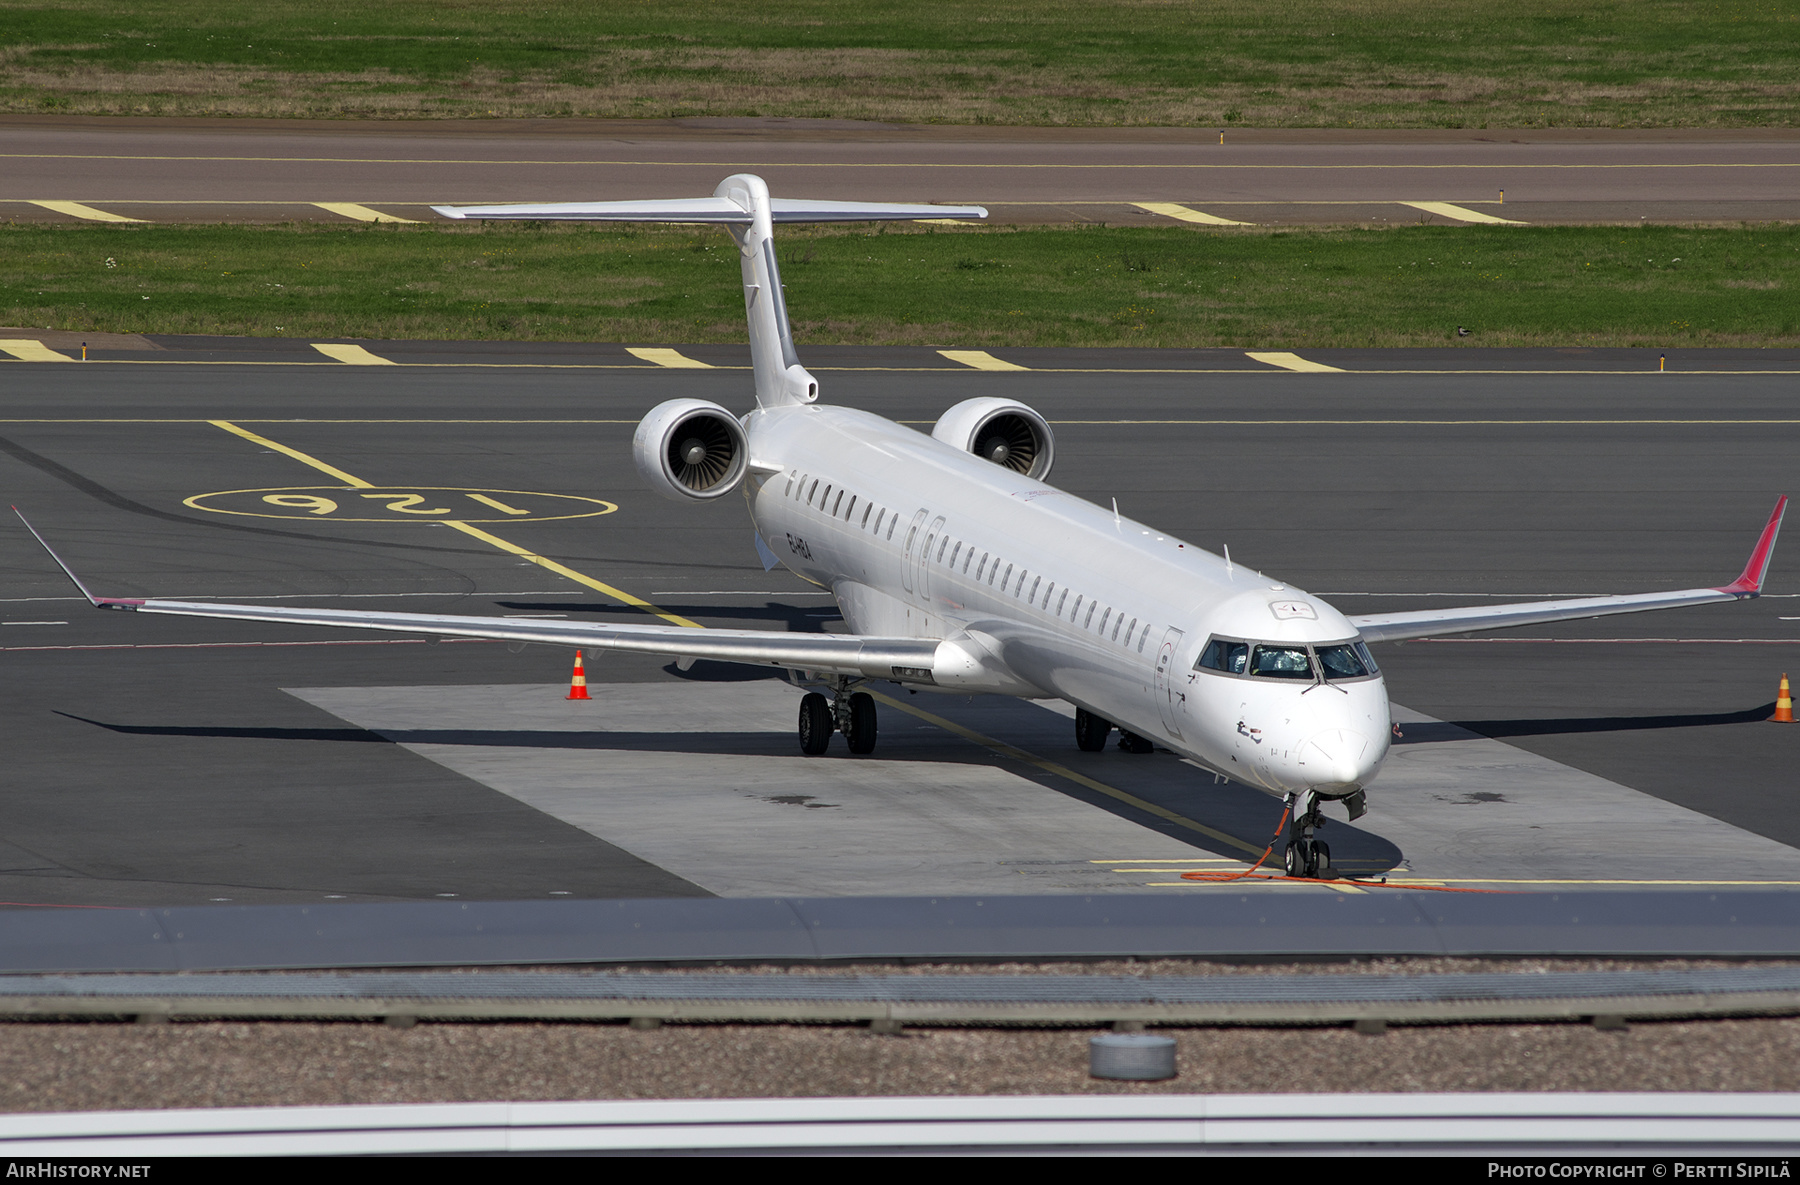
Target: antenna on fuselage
[1228,561]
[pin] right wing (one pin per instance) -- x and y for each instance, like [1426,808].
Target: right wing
[1431,623]
[904,659]
[713,209]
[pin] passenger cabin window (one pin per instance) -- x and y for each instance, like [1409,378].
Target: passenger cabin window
[868,508]
[943,547]
[1220,655]
[789,492]
[838,503]
[981,567]
[1064,601]
[891,523]
[1092,605]
[813,489]
[1144,638]
[852,509]
[1034,589]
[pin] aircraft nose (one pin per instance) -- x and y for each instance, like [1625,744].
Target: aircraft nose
[1343,758]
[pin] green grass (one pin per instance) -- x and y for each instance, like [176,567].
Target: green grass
[1322,63]
[1575,286]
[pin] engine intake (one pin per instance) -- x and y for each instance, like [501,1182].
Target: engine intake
[689,450]
[1003,431]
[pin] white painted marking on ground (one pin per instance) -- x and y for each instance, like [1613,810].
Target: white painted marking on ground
[33,623]
[27,350]
[674,359]
[360,212]
[1185,214]
[1461,213]
[1289,361]
[980,360]
[354,355]
[85,212]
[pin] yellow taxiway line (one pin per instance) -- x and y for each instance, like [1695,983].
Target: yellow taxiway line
[354,355]
[1288,361]
[84,212]
[1184,214]
[980,360]
[359,212]
[473,532]
[1460,213]
[672,359]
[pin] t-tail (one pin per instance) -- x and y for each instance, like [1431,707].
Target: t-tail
[743,205]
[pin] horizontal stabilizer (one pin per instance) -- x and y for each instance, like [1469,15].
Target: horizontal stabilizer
[713,210]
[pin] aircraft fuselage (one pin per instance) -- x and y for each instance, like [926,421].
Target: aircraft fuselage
[1052,596]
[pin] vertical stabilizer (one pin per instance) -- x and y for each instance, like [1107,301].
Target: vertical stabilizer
[780,379]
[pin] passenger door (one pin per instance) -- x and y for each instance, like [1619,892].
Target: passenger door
[1168,689]
[931,538]
[910,556]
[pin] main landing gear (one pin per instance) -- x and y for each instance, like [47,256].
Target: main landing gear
[848,712]
[1091,733]
[1305,856]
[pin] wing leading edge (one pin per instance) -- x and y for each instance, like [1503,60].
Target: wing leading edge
[1429,623]
[838,654]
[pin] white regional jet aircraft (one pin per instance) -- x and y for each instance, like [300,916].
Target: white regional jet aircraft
[959,569]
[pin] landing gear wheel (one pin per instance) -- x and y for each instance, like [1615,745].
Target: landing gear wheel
[861,733]
[1131,742]
[1090,731]
[1294,858]
[815,724]
[1319,865]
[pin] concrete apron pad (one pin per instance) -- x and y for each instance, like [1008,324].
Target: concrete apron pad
[706,781]
[1464,807]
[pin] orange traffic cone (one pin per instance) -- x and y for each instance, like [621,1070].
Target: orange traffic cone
[577,681]
[1784,703]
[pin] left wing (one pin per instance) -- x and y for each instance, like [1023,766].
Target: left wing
[905,659]
[1429,623]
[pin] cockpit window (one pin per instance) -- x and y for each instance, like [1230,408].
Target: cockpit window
[1221,655]
[1281,662]
[1341,662]
[1362,651]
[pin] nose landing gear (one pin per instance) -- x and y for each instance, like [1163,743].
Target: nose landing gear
[1305,856]
[848,712]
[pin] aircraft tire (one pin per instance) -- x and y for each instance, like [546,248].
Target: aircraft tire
[1131,742]
[1320,862]
[1294,859]
[862,723]
[815,724]
[1090,731]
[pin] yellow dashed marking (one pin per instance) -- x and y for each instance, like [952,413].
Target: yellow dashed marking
[1172,210]
[980,360]
[87,213]
[354,355]
[1289,361]
[359,212]
[27,350]
[673,359]
[1460,213]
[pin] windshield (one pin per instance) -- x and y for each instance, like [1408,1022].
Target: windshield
[1280,662]
[1341,662]
[1269,660]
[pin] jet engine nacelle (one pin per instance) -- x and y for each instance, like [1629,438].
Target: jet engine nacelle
[1003,431]
[689,450]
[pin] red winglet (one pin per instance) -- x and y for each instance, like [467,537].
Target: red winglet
[1750,583]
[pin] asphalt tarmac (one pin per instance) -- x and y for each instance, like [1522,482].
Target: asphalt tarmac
[257,170]
[164,761]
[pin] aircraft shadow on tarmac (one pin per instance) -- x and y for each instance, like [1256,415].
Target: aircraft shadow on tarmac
[1452,730]
[1160,780]
[799,619]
